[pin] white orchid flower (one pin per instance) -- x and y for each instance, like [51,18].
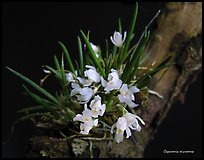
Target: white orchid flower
[126,95]
[132,123]
[70,77]
[91,74]
[121,126]
[83,94]
[113,81]
[117,39]
[76,89]
[95,49]
[96,107]
[86,118]
[85,82]
[125,123]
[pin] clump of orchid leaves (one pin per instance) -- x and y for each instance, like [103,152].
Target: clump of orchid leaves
[100,93]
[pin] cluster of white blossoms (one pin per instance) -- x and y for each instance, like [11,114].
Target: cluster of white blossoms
[86,92]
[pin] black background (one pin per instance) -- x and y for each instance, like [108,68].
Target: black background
[30,34]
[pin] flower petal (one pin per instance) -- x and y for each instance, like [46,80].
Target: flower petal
[93,75]
[140,120]
[128,132]
[70,77]
[78,117]
[85,82]
[112,40]
[103,108]
[113,127]
[125,33]
[121,123]
[134,89]
[103,82]
[76,89]
[95,122]
[119,137]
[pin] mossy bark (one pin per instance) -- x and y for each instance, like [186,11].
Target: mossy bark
[179,32]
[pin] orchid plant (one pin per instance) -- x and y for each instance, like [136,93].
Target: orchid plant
[100,94]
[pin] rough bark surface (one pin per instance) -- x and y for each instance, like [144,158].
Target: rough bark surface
[178,32]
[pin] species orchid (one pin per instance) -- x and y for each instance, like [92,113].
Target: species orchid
[98,88]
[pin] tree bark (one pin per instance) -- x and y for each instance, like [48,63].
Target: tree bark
[178,32]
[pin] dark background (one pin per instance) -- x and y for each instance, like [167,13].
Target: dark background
[30,34]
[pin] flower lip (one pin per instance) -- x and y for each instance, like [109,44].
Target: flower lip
[113,81]
[127,95]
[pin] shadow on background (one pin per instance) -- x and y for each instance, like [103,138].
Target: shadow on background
[30,34]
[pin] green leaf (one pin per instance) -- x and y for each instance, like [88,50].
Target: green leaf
[107,49]
[132,66]
[60,70]
[65,51]
[129,36]
[166,63]
[63,72]
[93,55]
[119,26]
[47,104]
[33,84]
[33,115]
[145,81]
[57,74]
[138,57]
[56,63]
[81,58]
[33,108]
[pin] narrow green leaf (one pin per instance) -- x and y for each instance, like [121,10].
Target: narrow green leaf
[119,57]
[107,49]
[145,81]
[81,58]
[65,51]
[132,66]
[132,49]
[47,104]
[93,55]
[33,108]
[166,63]
[33,115]
[62,62]
[138,57]
[114,50]
[57,65]
[129,36]
[120,26]
[63,72]
[57,74]
[33,84]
